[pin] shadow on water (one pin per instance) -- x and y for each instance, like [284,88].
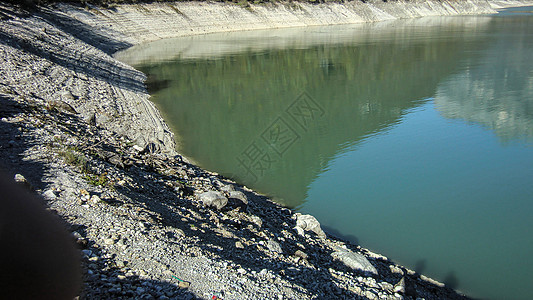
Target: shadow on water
[336,233]
[451,280]
[420,266]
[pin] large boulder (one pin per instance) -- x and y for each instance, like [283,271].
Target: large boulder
[354,260]
[308,223]
[238,195]
[213,199]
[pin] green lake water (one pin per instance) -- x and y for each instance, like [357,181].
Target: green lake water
[412,138]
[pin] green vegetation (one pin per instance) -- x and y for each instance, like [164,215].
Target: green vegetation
[73,158]
[96,180]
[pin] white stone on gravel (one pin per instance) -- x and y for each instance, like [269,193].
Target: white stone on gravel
[49,195]
[213,199]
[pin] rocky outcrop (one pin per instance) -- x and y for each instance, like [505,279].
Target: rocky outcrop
[213,199]
[354,260]
[308,223]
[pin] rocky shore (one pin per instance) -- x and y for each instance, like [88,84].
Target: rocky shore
[76,125]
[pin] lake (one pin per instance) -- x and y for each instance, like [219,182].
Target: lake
[413,138]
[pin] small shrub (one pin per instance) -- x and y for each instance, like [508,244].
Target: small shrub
[96,180]
[74,159]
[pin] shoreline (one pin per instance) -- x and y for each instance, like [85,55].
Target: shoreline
[79,126]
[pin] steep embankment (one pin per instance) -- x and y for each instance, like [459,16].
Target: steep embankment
[77,124]
[139,23]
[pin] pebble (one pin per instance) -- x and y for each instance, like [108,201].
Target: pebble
[20,179]
[95,199]
[300,254]
[274,246]
[400,286]
[49,195]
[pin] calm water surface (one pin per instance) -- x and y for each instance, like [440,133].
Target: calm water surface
[412,138]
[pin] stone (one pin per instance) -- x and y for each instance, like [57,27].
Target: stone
[184,284]
[239,196]
[256,220]
[227,188]
[274,246]
[396,270]
[213,199]
[49,195]
[23,182]
[20,179]
[239,245]
[308,223]
[386,286]
[369,295]
[263,272]
[67,95]
[354,260]
[95,199]
[400,286]
[300,254]
[137,148]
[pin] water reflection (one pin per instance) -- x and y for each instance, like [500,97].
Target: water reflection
[495,88]
[364,78]
[348,118]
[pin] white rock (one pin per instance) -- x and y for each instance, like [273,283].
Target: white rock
[354,260]
[274,246]
[308,223]
[49,195]
[20,179]
[214,199]
[95,199]
[400,286]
